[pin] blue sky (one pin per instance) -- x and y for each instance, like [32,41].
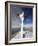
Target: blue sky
[16,20]
[28,13]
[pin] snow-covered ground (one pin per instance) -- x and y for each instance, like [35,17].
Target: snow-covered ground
[26,34]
